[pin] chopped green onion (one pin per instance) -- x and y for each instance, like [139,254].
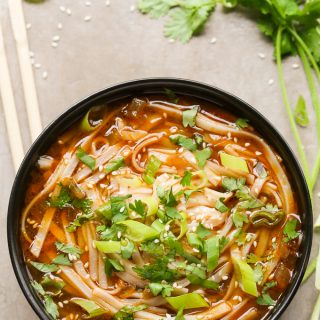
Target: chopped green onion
[88,125]
[158,225]
[89,306]
[108,246]
[153,165]
[114,164]
[233,162]
[85,158]
[105,210]
[187,301]
[138,232]
[220,206]
[132,181]
[212,246]
[245,276]
[195,241]
[152,204]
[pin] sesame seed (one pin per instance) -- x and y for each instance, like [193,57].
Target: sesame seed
[274,239]
[54,44]
[295,66]
[101,176]
[35,226]
[28,26]
[87,18]
[270,307]
[271,276]
[45,75]
[59,26]
[88,3]
[102,185]
[122,209]
[165,115]
[86,265]
[270,82]
[55,38]
[132,8]
[65,301]
[247,144]
[37,65]
[180,150]
[119,234]
[87,276]
[59,271]
[235,139]
[235,298]
[69,12]
[89,185]
[229,135]
[156,241]
[255,244]
[167,228]
[258,153]
[60,304]
[100,167]
[108,3]
[193,229]
[195,250]
[261,55]
[224,278]
[62,8]
[213,40]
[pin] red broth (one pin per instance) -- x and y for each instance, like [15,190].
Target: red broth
[151,208]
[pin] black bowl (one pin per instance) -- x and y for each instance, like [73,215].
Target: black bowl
[155,86]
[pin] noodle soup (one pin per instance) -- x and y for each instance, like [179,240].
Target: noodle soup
[159,208]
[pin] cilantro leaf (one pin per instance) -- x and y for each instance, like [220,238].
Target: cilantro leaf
[62,259]
[186,179]
[155,8]
[44,267]
[311,38]
[202,156]
[139,207]
[183,141]
[111,265]
[152,248]
[300,112]
[168,92]
[265,300]
[202,231]
[68,249]
[119,208]
[183,22]
[114,164]
[242,123]
[232,184]
[189,117]
[157,288]
[239,218]
[157,271]
[289,230]
[85,158]
[126,313]
[258,273]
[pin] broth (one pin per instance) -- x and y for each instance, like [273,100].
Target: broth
[153,208]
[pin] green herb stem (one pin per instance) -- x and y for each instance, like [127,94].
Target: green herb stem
[293,125]
[315,171]
[316,310]
[310,270]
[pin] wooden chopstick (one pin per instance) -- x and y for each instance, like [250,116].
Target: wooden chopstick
[30,94]
[9,108]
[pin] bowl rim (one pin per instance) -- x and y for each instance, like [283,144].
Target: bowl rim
[124,89]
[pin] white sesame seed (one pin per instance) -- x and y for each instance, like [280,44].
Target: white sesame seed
[156,241]
[101,176]
[171,41]
[55,38]
[45,75]
[180,150]
[229,135]
[193,229]
[107,3]
[60,304]
[271,276]
[167,228]
[119,234]
[88,3]
[235,298]
[247,144]
[87,18]
[65,301]
[255,244]
[270,82]
[69,12]
[258,153]
[274,239]
[62,8]
[122,209]
[59,271]
[89,185]
[224,278]
[295,66]
[37,65]
[235,139]
[86,265]
[87,276]
[54,44]
[174,285]
[270,307]
[59,26]
[28,26]
[132,8]
[261,55]
[213,40]
[195,250]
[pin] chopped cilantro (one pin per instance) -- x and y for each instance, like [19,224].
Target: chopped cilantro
[189,117]
[62,259]
[139,207]
[44,267]
[242,123]
[232,184]
[186,179]
[126,313]
[239,218]
[68,249]
[220,206]
[157,288]
[202,156]
[289,230]
[184,142]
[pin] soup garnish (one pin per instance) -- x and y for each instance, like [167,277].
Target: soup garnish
[153,209]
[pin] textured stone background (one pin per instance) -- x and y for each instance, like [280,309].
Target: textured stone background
[120,44]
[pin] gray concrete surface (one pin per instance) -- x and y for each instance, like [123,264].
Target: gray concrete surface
[119,44]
